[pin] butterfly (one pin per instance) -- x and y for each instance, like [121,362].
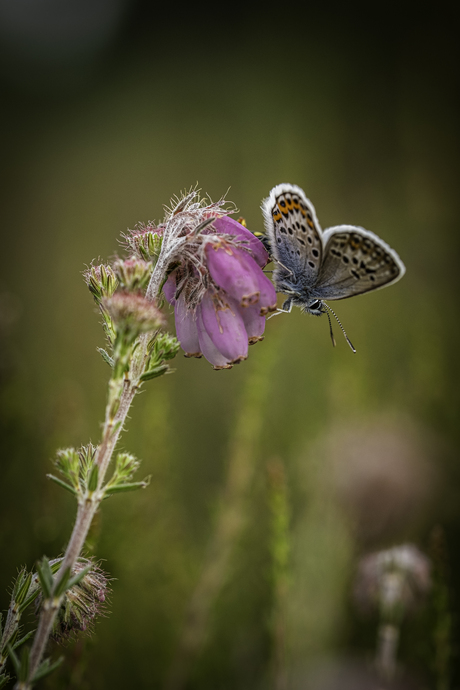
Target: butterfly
[312,266]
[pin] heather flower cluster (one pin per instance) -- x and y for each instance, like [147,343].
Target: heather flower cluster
[214,279]
[83,602]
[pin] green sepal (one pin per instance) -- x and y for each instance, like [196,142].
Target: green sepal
[63,584]
[155,372]
[46,668]
[4,680]
[132,486]
[45,576]
[23,639]
[106,357]
[75,580]
[63,484]
[22,593]
[93,478]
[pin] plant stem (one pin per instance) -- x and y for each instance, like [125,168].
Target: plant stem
[387,645]
[121,393]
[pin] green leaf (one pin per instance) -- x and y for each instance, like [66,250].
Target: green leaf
[62,483]
[22,593]
[45,576]
[19,582]
[106,357]
[24,673]
[119,488]
[63,584]
[77,578]
[14,659]
[155,372]
[23,639]
[46,668]
[4,680]
[93,478]
[29,600]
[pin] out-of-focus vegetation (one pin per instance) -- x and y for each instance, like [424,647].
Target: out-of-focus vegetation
[359,110]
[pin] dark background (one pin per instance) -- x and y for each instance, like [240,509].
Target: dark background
[110,108]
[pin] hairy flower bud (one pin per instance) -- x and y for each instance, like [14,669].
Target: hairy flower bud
[82,603]
[145,241]
[133,314]
[101,281]
[133,274]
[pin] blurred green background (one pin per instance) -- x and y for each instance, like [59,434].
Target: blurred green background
[109,109]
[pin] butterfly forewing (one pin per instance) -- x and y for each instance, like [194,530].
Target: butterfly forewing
[355,261]
[294,234]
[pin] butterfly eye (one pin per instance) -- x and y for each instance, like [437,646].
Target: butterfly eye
[316,304]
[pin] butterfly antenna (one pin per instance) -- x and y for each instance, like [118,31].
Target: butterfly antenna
[338,321]
[330,328]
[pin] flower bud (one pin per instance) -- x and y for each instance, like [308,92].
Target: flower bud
[133,274]
[101,281]
[145,241]
[82,602]
[133,314]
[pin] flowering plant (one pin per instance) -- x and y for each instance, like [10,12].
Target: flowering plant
[210,268]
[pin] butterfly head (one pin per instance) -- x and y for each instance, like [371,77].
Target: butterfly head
[314,306]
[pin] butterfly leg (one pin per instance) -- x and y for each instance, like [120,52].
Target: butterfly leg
[285,309]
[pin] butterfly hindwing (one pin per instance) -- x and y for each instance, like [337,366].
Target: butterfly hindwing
[294,234]
[355,261]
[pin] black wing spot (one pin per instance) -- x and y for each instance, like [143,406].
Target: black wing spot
[283,230]
[297,224]
[355,260]
[315,253]
[311,264]
[298,252]
[309,239]
[301,241]
[290,231]
[345,259]
[354,273]
[279,240]
[371,277]
[282,203]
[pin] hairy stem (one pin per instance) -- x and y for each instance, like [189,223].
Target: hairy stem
[120,396]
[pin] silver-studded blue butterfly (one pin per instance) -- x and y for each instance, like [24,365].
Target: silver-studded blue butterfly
[311,265]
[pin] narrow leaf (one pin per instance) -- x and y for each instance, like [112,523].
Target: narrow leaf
[106,357]
[3,681]
[46,668]
[93,478]
[63,584]
[45,576]
[23,639]
[154,373]
[75,580]
[22,593]
[24,674]
[29,600]
[19,582]
[14,659]
[62,483]
[119,488]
